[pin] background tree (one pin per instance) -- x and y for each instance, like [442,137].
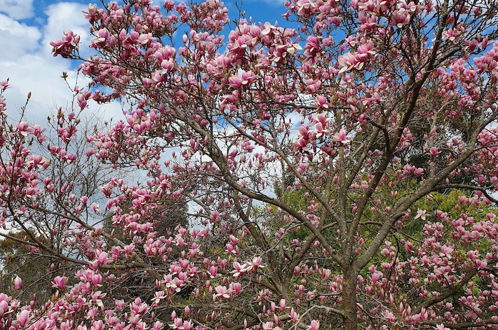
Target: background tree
[35,249]
[361,110]
[18,261]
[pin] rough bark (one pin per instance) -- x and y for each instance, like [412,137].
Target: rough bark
[349,299]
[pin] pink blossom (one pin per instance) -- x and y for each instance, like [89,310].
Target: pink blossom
[400,17]
[60,282]
[65,46]
[4,85]
[17,283]
[235,288]
[441,327]
[389,316]
[293,315]
[341,137]
[4,307]
[22,318]
[347,62]
[221,291]
[422,214]
[95,207]
[314,325]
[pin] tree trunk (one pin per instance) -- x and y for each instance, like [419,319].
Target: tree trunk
[349,299]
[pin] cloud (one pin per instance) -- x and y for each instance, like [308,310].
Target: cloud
[40,76]
[18,9]
[65,16]
[16,38]
[25,58]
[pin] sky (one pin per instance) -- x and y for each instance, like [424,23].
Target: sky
[27,27]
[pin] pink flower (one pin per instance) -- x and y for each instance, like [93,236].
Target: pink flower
[268,326]
[294,316]
[341,137]
[95,207]
[240,269]
[158,325]
[66,45]
[221,291]
[389,316]
[22,318]
[101,257]
[168,65]
[4,307]
[434,151]
[314,325]
[23,128]
[376,276]
[145,38]
[165,53]
[4,85]
[248,77]
[481,264]
[400,17]
[18,283]
[418,171]
[60,282]
[243,79]
[347,62]
[120,304]
[256,263]
[213,271]
[235,82]
[304,131]
[422,214]
[235,288]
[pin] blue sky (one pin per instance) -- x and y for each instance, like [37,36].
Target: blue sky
[33,12]
[27,27]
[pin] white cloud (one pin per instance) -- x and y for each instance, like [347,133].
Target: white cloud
[16,38]
[25,58]
[65,16]
[40,76]
[18,9]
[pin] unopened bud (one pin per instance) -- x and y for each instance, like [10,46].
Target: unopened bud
[17,283]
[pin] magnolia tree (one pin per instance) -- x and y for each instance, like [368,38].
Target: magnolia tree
[24,243]
[339,172]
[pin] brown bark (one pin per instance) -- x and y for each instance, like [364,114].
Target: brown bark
[349,299]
